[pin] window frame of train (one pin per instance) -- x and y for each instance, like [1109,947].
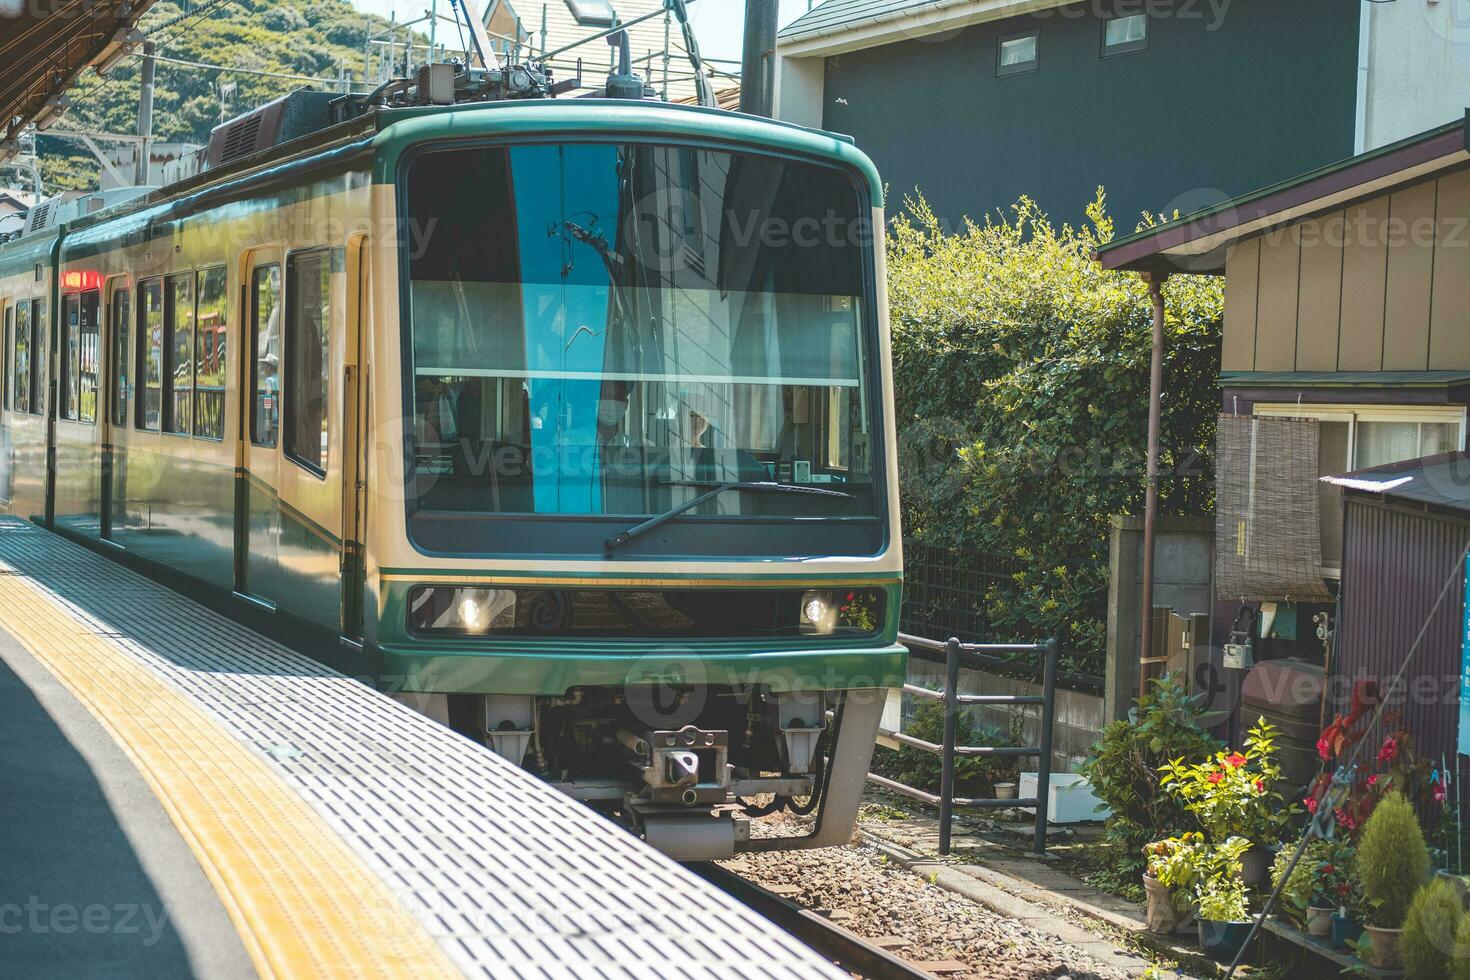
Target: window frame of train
[211,428]
[38,373]
[76,328]
[173,421]
[150,354]
[1138,45]
[120,312]
[264,404]
[291,420]
[21,370]
[7,352]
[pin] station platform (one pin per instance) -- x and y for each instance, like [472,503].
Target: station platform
[263,815]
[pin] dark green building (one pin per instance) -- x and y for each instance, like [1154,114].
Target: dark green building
[1169,104]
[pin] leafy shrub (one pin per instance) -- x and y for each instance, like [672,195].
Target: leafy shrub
[1022,372]
[1301,886]
[1123,771]
[973,775]
[1393,860]
[1431,932]
[1233,795]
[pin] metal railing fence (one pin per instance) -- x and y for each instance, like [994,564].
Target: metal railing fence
[948,751]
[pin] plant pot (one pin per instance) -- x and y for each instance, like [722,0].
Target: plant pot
[1384,953]
[1461,884]
[1255,867]
[1319,922]
[1005,791]
[1162,915]
[1222,941]
[1344,928]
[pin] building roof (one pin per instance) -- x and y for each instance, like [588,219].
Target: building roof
[841,25]
[549,25]
[1198,242]
[44,47]
[1438,481]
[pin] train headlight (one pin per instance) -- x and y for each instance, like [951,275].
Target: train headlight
[818,613]
[450,609]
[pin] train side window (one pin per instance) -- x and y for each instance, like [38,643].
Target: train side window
[150,354]
[121,320]
[308,288]
[265,355]
[22,362]
[8,352]
[39,341]
[178,353]
[210,355]
[68,390]
[87,358]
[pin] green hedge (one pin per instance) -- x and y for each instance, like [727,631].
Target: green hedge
[1022,374]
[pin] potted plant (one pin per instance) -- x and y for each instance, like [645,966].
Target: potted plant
[1171,867]
[1219,896]
[1393,863]
[1310,896]
[1232,794]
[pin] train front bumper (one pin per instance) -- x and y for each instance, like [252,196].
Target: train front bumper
[552,670]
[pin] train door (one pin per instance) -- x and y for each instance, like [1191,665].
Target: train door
[354,442]
[257,504]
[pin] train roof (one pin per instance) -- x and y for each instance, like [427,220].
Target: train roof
[379,139]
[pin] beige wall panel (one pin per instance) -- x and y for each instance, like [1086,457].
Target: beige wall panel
[1239,347]
[1364,261]
[1449,318]
[1320,303]
[1276,309]
[1410,279]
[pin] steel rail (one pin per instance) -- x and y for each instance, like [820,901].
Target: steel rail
[843,946]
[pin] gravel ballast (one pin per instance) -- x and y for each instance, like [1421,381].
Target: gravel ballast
[876,900]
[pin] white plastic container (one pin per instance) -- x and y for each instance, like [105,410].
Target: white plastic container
[1070,797]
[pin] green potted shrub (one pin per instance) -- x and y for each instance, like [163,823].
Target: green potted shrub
[1168,881]
[1232,794]
[1430,942]
[1393,863]
[1311,896]
[1219,898]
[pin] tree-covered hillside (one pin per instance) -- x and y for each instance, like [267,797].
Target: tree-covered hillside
[313,38]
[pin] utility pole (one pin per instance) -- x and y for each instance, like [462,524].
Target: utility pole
[145,114]
[757,66]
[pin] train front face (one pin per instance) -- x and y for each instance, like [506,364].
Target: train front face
[649,533]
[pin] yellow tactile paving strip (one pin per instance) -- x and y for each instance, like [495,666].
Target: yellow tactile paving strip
[303,903]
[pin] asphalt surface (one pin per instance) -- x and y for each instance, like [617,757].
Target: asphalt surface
[94,879]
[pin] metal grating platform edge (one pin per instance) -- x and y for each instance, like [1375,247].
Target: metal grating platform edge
[511,878]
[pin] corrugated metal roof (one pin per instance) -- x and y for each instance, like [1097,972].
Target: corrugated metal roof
[836,15]
[1441,481]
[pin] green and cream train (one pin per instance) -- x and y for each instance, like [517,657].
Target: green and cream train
[567,421]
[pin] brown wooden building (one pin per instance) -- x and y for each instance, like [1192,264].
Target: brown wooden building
[1347,305]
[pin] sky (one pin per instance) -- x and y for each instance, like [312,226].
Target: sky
[717,23]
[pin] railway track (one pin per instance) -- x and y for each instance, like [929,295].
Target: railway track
[842,946]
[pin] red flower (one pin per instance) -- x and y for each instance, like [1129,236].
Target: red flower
[1438,792]
[1327,869]
[1311,804]
[1344,818]
[1324,748]
[1260,786]
[1373,780]
[1235,760]
[849,596]
[1344,888]
[1216,776]
[1389,751]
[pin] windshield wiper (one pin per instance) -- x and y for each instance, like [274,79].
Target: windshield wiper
[638,530]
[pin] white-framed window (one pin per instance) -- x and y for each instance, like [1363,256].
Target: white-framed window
[1125,34]
[1355,437]
[1017,53]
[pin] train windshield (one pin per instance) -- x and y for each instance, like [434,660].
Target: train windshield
[605,329]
